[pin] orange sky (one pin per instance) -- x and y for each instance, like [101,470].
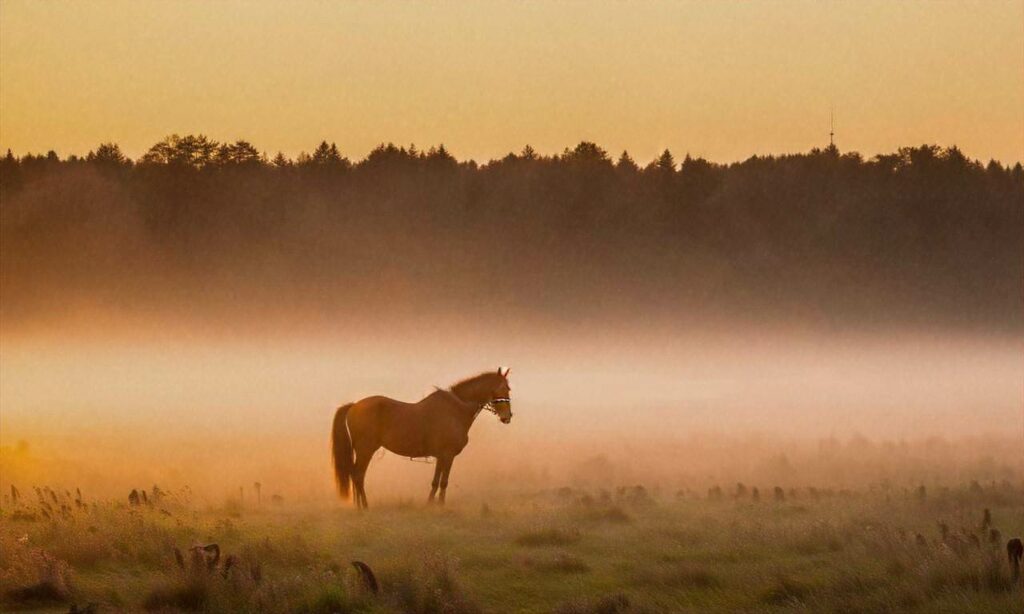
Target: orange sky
[718,79]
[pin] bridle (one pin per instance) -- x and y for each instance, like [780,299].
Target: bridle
[489,405]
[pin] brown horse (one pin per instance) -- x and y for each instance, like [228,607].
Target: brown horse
[437,426]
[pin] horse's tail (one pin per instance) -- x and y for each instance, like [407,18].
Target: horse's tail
[341,450]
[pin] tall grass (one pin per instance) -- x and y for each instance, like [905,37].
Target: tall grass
[572,551]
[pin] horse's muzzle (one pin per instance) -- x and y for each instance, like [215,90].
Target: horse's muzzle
[506,420]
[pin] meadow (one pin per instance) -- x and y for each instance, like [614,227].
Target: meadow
[730,548]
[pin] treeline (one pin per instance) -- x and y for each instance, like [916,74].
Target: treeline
[923,235]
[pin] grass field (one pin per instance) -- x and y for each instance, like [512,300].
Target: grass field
[563,550]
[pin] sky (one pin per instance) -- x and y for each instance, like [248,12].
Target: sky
[723,80]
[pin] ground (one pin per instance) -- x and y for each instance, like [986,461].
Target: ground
[560,550]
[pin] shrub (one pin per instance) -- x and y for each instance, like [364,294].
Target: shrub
[432,589]
[32,575]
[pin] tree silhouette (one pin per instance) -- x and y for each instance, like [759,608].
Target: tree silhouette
[108,155]
[587,153]
[924,233]
[626,164]
[327,156]
[188,151]
[280,161]
[239,153]
[665,165]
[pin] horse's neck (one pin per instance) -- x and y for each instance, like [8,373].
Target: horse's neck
[469,414]
[466,411]
[474,392]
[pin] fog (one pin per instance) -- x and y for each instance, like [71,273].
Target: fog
[196,317]
[678,407]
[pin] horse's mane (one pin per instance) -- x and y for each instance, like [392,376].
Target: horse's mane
[470,381]
[446,393]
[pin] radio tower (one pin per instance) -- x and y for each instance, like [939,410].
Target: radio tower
[832,133]
[832,128]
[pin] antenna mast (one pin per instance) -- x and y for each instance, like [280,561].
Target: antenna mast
[832,128]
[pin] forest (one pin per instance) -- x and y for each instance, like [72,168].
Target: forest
[924,236]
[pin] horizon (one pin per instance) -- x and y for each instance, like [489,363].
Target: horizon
[636,77]
[268,156]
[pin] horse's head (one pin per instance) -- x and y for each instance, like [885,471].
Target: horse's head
[488,391]
[500,400]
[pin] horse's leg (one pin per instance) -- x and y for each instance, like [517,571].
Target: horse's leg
[359,475]
[361,484]
[446,468]
[436,482]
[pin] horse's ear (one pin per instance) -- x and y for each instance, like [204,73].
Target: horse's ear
[507,371]
[499,370]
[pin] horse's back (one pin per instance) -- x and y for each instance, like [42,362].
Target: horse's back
[376,409]
[374,402]
[408,429]
[433,405]
[380,413]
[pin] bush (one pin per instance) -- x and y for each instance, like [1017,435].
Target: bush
[433,589]
[31,575]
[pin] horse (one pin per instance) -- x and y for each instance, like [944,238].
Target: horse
[436,426]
